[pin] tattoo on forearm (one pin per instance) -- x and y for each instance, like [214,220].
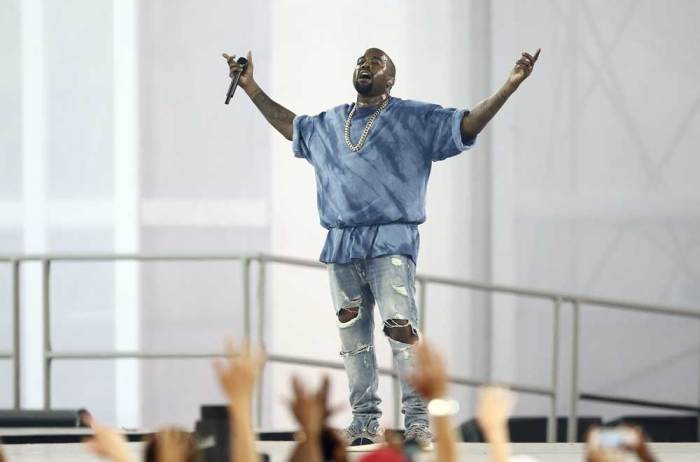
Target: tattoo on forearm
[279,117]
[483,112]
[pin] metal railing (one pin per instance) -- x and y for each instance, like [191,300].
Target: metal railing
[557,299]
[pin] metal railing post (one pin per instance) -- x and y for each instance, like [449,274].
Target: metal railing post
[552,421]
[261,332]
[16,343]
[261,300]
[422,301]
[245,266]
[572,427]
[397,397]
[46,347]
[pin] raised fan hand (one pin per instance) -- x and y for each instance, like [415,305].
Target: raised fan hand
[107,442]
[239,373]
[429,376]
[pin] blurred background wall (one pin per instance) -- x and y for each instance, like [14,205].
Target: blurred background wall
[114,137]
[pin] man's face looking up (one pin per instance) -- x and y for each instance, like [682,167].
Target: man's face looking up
[374,73]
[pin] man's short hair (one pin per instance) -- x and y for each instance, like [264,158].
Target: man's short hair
[389,63]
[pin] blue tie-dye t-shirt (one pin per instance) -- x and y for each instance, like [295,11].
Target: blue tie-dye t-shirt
[373,200]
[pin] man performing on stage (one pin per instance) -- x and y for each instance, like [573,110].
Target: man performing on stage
[372,160]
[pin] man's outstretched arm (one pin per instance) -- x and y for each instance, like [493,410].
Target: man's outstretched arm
[476,120]
[279,117]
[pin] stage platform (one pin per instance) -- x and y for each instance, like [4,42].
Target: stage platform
[279,451]
[53,435]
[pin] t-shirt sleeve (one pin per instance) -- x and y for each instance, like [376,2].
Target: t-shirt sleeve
[444,132]
[303,130]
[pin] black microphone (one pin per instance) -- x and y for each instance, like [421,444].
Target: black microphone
[234,80]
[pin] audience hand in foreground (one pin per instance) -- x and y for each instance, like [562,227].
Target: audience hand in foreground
[631,438]
[239,372]
[316,441]
[310,409]
[495,405]
[107,442]
[237,376]
[429,376]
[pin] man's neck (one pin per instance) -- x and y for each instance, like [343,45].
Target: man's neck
[363,101]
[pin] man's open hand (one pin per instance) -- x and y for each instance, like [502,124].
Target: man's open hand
[523,68]
[233,66]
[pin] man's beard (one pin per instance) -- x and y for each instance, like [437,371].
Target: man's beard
[364,89]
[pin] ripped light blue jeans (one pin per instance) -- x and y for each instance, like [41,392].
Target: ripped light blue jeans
[388,281]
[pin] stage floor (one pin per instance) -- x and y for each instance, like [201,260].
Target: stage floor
[279,451]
